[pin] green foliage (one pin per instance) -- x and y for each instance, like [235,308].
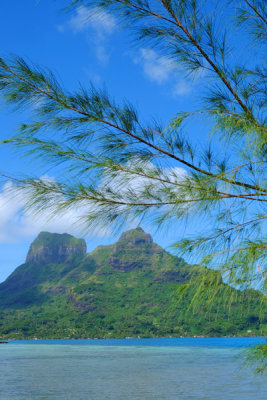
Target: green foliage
[91,296]
[257,357]
[118,168]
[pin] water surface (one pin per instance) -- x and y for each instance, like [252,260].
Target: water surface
[145,369]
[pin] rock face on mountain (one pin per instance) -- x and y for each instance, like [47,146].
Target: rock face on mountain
[129,288]
[54,248]
[134,249]
[134,237]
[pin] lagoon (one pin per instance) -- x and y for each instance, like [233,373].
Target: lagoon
[129,369]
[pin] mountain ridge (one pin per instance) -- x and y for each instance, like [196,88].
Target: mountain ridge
[54,247]
[128,288]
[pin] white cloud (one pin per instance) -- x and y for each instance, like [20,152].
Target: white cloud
[156,68]
[181,88]
[101,25]
[92,75]
[61,28]
[125,182]
[98,19]
[17,223]
[161,69]
[102,54]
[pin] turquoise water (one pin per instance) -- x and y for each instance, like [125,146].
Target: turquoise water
[145,369]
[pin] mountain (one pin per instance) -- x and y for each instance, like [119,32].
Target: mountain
[54,248]
[130,288]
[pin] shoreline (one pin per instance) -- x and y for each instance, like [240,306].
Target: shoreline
[2,341]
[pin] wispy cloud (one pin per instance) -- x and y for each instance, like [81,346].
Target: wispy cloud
[102,54]
[96,22]
[162,70]
[156,68]
[182,88]
[98,19]
[17,222]
[61,28]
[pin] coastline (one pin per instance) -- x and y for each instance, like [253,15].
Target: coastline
[182,338]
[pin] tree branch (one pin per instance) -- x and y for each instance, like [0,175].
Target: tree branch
[140,139]
[256,11]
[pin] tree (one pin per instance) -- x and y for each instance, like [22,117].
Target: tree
[121,169]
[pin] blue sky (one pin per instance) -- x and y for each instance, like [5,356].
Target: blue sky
[80,50]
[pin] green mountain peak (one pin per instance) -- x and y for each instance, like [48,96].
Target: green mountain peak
[129,288]
[54,248]
[134,249]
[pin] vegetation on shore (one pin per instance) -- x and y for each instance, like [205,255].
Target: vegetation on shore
[128,289]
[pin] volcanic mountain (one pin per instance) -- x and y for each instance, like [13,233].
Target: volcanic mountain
[131,288]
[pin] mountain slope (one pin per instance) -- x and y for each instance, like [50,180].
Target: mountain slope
[126,289]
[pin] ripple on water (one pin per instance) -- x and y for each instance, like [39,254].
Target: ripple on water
[76,371]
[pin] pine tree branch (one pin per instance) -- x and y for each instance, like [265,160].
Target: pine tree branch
[256,11]
[247,196]
[234,227]
[207,58]
[178,23]
[133,135]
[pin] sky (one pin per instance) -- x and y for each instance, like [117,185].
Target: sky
[80,49]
